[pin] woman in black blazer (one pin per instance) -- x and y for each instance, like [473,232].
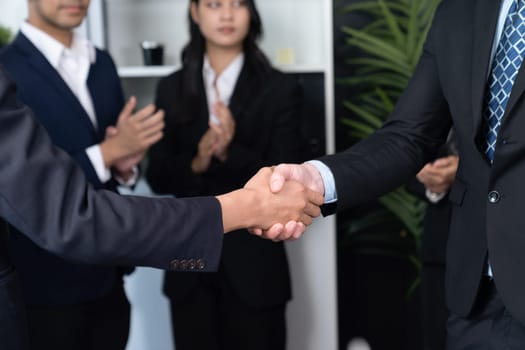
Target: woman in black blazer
[228,113]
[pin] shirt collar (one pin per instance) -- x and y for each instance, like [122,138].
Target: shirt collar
[229,75]
[53,50]
[223,84]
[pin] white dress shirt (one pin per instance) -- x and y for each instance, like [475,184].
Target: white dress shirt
[220,88]
[73,65]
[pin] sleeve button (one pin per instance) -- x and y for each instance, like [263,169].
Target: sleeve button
[175,264]
[201,264]
[184,264]
[192,264]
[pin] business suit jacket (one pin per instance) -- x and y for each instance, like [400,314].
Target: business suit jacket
[60,112]
[434,312]
[265,108]
[452,75]
[436,222]
[45,195]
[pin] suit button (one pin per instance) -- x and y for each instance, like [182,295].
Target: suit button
[494,196]
[184,264]
[201,264]
[174,264]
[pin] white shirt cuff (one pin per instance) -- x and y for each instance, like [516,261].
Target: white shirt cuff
[94,154]
[330,193]
[434,197]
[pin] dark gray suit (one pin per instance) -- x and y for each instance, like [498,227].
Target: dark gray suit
[45,195]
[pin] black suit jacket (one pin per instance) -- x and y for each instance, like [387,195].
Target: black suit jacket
[436,225]
[436,222]
[44,194]
[451,75]
[265,108]
[42,88]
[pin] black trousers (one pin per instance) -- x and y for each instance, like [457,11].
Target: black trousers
[490,327]
[101,324]
[13,327]
[214,318]
[434,312]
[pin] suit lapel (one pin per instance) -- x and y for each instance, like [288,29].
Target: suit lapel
[486,15]
[246,93]
[95,89]
[203,116]
[42,67]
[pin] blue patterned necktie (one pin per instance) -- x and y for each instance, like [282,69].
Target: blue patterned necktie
[505,67]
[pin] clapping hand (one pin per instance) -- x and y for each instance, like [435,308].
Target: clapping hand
[224,130]
[126,142]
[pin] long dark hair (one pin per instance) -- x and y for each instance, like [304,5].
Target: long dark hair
[193,53]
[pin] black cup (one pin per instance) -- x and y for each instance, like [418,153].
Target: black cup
[153,53]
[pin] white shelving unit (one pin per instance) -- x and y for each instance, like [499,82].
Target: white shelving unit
[297,39]
[12,13]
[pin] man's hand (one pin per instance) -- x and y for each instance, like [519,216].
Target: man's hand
[439,175]
[305,173]
[256,206]
[294,201]
[135,133]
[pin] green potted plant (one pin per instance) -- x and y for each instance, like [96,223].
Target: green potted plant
[388,47]
[5,35]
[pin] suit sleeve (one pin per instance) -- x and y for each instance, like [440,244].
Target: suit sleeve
[418,125]
[44,194]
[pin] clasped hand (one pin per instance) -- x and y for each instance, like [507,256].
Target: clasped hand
[439,175]
[290,184]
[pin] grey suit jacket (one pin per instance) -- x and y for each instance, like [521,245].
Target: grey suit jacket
[45,195]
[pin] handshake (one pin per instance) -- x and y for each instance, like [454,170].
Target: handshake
[277,203]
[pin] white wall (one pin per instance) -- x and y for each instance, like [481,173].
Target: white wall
[12,13]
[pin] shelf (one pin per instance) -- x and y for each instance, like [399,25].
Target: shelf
[300,68]
[162,71]
[146,71]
